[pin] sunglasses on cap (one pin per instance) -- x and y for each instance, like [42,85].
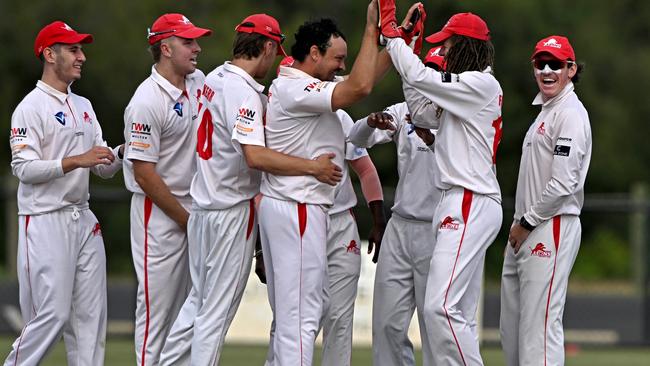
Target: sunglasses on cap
[153,34]
[552,64]
[252,25]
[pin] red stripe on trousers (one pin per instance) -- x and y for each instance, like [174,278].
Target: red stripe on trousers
[29,281]
[147,216]
[466,206]
[302,218]
[302,225]
[251,218]
[556,242]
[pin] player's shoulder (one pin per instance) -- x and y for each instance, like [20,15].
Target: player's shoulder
[81,101]
[572,109]
[32,101]
[148,93]
[481,80]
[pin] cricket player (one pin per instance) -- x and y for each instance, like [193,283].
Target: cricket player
[56,141]
[301,120]
[222,227]
[403,267]
[545,234]
[469,214]
[344,249]
[159,128]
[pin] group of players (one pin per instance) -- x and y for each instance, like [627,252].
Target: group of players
[200,149]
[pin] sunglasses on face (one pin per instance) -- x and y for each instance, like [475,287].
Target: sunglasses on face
[552,64]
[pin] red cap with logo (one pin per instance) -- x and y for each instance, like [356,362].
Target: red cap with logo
[265,25]
[462,24]
[558,46]
[287,61]
[58,32]
[433,57]
[173,24]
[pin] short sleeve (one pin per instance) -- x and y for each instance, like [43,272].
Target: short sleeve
[248,124]
[143,127]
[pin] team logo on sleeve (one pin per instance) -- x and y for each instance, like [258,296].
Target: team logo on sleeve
[316,86]
[245,117]
[17,137]
[562,150]
[448,223]
[60,117]
[540,251]
[178,108]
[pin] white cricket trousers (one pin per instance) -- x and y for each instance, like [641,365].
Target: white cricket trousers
[294,240]
[533,290]
[159,250]
[62,283]
[465,224]
[400,285]
[221,244]
[343,268]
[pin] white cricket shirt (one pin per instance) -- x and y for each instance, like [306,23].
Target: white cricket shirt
[344,196]
[470,124]
[46,127]
[160,127]
[416,195]
[300,122]
[555,159]
[233,112]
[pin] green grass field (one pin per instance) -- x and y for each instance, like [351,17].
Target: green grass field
[119,351]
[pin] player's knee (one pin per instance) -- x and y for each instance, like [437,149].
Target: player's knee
[389,327]
[56,318]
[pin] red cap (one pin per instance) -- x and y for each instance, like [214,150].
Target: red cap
[178,25]
[58,32]
[265,25]
[463,24]
[433,56]
[287,61]
[557,46]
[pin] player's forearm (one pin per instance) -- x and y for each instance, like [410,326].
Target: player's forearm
[369,179]
[37,171]
[362,76]
[377,213]
[156,189]
[384,63]
[276,163]
[108,171]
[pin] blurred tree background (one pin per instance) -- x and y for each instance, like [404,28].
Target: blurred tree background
[610,37]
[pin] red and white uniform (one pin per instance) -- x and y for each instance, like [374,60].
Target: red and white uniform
[343,262]
[550,192]
[159,127]
[222,228]
[61,259]
[293,213]
[469,214]
[403,265]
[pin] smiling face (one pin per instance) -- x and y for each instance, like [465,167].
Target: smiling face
[554,74]
[333,61]
[183,53]
[68,60]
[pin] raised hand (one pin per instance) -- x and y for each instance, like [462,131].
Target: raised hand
[381,120]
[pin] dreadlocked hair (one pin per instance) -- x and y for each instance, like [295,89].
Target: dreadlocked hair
[469,54]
